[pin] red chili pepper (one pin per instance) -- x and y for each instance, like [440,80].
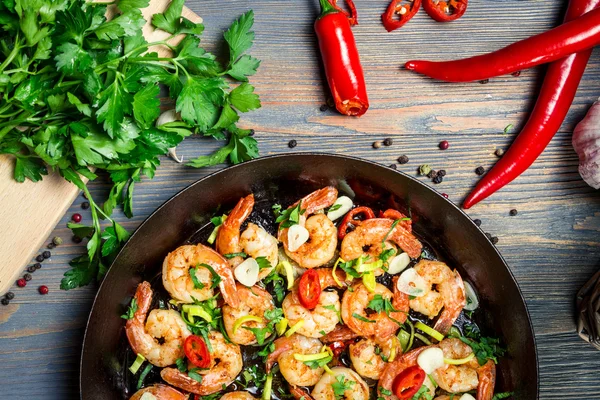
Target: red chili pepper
[571,37]
[309,289]
[555,99]
[443,11]
[404,13]
[341,61]
[352,15]
[408,382]
[395,214]
[349,219]
[196,351]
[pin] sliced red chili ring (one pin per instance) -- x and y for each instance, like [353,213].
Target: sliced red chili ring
[349,219]
[196,351]
[352,15]
[408,382]
[404,13]
[443,11]
[309,289]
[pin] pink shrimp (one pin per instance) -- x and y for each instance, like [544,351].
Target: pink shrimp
[294,371]
[228,236]
[160,392]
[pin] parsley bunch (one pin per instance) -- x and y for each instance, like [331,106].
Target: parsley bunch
[79,94]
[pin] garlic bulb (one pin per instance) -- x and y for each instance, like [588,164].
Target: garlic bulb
[586,142]
[165,118]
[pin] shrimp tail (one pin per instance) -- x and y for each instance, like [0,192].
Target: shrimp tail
[487,381]
[452,311]
[134,328]
[282,345]
[300,393]
[228,236]
[341,333]
[319,199]
[178,379]
[228,290]
[407,241]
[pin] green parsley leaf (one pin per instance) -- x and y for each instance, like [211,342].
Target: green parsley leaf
[146,106]
[239,36]
[195,280]
[243,98]
[341,385]
[244,67]
[30,168]
[291,216]
[181,364]
[263,263]
[233,255]
[169,20]
[423,394]
[216,279]
[503,395]
[131,310]
[363,319]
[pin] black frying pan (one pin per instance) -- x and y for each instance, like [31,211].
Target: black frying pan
[283,179]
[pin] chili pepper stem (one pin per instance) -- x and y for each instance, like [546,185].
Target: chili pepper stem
[326,8]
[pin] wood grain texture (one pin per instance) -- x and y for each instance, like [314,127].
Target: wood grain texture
[30,211]
[552,245]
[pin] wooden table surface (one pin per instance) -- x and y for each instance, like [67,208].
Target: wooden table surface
[552,245]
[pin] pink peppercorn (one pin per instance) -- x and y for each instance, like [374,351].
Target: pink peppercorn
[76,218]
[21,282]
[43,289]
[444,145]
[445,195]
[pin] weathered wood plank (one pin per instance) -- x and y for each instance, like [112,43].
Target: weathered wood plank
[552,245]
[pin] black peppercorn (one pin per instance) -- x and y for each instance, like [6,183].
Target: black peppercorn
[403,159]
[5,301]
[31,268]
[442,172]
[479,170]
[85,205]
[324,107]
[484,81]
[252,132]
[46,254]
[51,245]
[37,265]
[513,212]
[477,222]
[376,144]
[39,258]
[27,277]
[10,295]
[438,179]
[292,143]
[488,235]
[494,240]
[393,166]
[432,173]
[388,142]
[76,239]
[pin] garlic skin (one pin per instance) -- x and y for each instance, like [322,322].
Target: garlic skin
[165,118]
[586,142]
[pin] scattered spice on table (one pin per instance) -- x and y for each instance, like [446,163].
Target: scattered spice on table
[9,295]
[76,217]
[27,277]
[31,269]
[51,246]
[403,159]
[432,173]
[494,239]
[484,81]
[43,289]
[21,282]
[46,254]
[424,169]
[39,258]
[57,240]
[376,144]
[388,142]
[444,145]
[508,128]
[445,195]
[393,166]
[516,74]
[85,205]
[5,301]
[37,266]
[488,235]
[513,212]
[442,172]
[76,239]
[479,170]
[292,143]
[324,107]
[499,152]
[438,179]
[477,221]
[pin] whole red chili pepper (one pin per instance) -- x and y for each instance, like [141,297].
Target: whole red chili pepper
[443,11]
[340,58]
[352,15]
[571,37]
[555,98]
[404,13]
[349,219]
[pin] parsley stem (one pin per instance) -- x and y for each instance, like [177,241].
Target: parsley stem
[12,54]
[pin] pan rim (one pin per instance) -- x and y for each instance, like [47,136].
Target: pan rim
[296,154]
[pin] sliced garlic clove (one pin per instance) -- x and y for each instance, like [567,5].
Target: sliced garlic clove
[431,359]
[466,396]
[297,236]
[148,396]
[247,272]
[173,155]
[398,263]
[345,205]
[411,283]
[472,299]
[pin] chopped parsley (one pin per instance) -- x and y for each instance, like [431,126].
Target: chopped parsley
[387,254]
[181,364]
[291,216]
[340,386]
[385,391]
[504,395]
[197,283]
[233,255]
[334,207]
[423,394]
[276,209]
[278,284]
[216,221]
[363,319]
[314,364]
[485,349]
[263,263]
[273,317]
[133,307]
[216,279]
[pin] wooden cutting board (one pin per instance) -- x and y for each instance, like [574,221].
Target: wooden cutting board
[29,211]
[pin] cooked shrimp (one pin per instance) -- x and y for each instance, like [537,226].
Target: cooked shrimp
[164,325]
[465,377]
[257,242]
[295,371]
[159,392]
[322,233]
[369,235]
[324,317]
[225,365]
[356,301]
[356,387]
[367,355]
[253,301]
[341,333]
[449,293]
[178,282]
[237,396]
[392,369]
[228,236]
